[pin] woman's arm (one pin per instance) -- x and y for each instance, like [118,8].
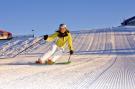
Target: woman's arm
[52,37]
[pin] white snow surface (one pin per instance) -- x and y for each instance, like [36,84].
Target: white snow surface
[103,59]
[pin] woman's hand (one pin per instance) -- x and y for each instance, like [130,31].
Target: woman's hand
[45,37]
[71,52]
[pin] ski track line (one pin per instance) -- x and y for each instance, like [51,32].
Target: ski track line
[94,43]
[83,41]
[90,40]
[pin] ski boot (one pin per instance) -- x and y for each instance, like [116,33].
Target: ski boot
[40,62]
[50,62]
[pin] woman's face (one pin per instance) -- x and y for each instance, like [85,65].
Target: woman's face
[62,30]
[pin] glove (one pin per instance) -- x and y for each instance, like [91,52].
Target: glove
[45,37]
[71,52]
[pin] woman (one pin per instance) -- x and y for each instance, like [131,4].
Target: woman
[62,36]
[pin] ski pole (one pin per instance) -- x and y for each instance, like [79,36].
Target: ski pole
[69,59]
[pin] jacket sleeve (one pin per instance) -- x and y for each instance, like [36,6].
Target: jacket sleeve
[52,37]
[70,43]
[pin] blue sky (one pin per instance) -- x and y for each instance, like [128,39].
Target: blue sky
[44,16]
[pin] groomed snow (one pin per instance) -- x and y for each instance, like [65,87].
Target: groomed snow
[103,59]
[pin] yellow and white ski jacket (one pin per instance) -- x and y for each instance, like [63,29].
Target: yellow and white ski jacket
[61,41]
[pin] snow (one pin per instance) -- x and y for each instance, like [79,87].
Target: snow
[103,59]
[15,47]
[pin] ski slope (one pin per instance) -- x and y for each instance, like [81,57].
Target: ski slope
[103,59]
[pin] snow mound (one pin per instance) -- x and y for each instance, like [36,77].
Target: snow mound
[16,46]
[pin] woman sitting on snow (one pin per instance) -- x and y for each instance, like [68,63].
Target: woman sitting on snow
[62,37]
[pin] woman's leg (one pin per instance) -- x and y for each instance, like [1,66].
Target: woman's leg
[57,55]
[48,54]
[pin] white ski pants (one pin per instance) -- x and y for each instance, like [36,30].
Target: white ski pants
[53,54]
